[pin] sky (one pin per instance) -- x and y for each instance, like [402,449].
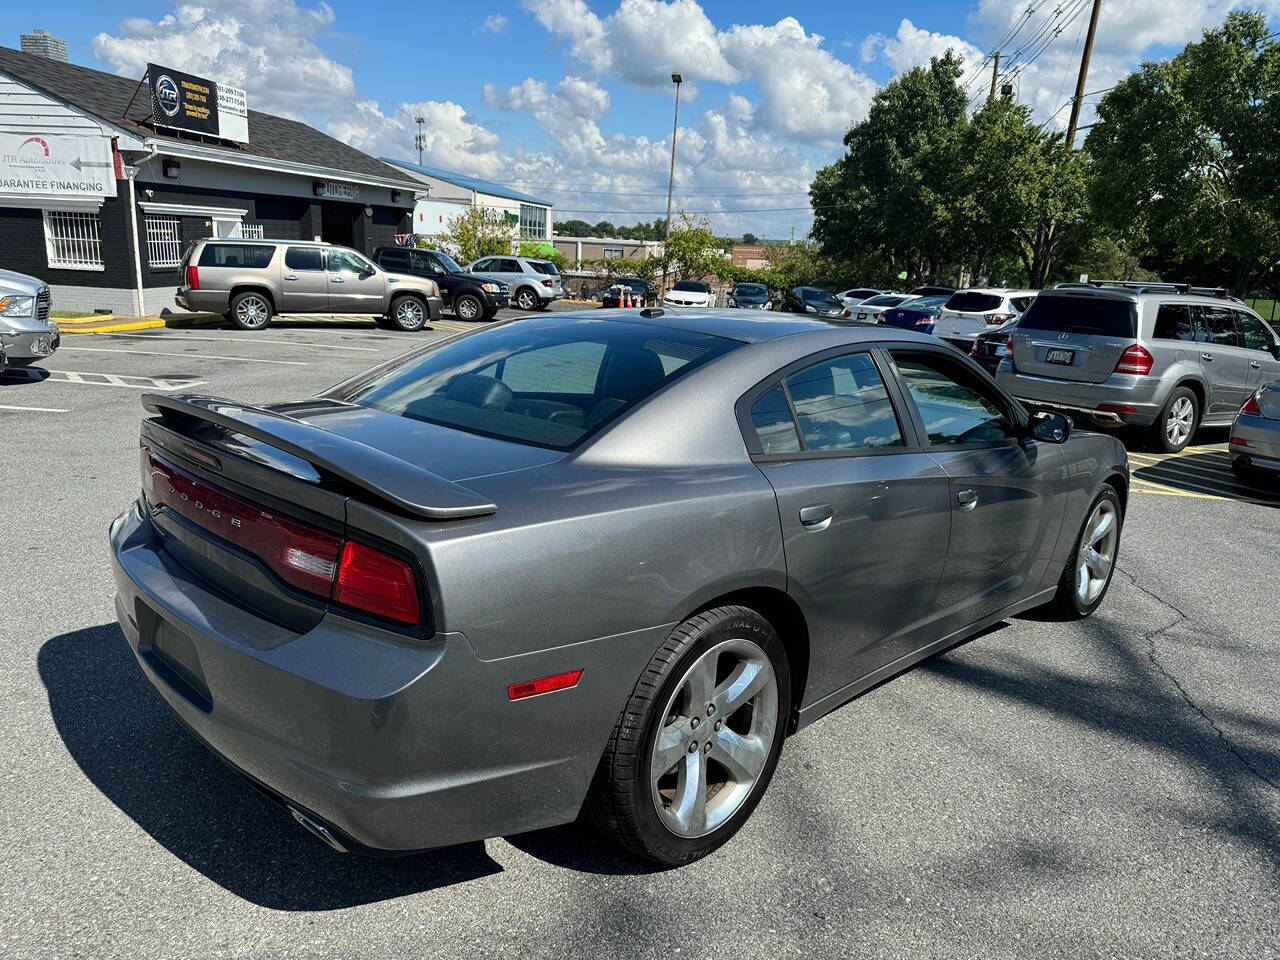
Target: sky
[572,100]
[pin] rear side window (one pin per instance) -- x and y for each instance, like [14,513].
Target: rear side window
[1173,322]
[774,426]
[304,258]
[1092,316]
[1021,303]
[1256,334]
[253,256]
[394,259]
[971,302]
[509,266]
[1220,326]
[543,266]
[842,404]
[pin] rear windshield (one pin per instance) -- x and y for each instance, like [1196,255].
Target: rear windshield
[692,286]
[1092,316]
[974,302]
[253,256]
[887,300]
[545,266]
[545,384]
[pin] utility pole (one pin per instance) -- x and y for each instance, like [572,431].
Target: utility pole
[1084,73]
[421,139]
[677,79]
[995,73]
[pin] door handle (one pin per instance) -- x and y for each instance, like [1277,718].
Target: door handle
[291,276]
[966,500]
[336,280]
[1207,356]
[816,516]
[1255,365]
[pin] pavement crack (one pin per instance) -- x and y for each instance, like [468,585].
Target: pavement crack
[1151,638]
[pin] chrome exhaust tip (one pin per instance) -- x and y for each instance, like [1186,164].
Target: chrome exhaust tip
[317,830]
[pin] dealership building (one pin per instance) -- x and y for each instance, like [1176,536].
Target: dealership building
[106,180]
[445,194]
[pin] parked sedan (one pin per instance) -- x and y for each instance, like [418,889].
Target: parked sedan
[27,334]
[750,296]
[689,293]
[853,297]
[474,588]
[873,310]
[919,314]
[812,300]
[991,346]
[1255,434]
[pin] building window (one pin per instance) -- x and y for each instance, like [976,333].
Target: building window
[533,222]
[71,240]
[164,242]
[613,253]
[251,231]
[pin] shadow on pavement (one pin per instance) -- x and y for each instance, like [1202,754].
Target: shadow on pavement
[205,814]
[1207,472]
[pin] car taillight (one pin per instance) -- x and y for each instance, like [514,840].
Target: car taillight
[1136,360]
[1251,406]
[974,351]
[878,317]
[193,278]
[998,319]
[376,583]
[1008,350]
[848,313]
[546,283]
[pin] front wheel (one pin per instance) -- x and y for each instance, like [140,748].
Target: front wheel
[468,307]
[698,741]
[408,313]
[1093,560]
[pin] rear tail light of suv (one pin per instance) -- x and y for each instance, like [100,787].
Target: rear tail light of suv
[193,278]
[1136,360]
[998,319]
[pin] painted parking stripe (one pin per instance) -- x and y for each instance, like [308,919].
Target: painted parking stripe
[190,356]
[1209,492]
[83,378]
[6,406]
[287,343]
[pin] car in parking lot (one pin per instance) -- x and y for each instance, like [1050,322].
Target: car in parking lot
[750,296]
[919,313]
[27,331]
[814,300]
[854,296]
[968,313]
[990,347]
[470,296]
[689,293]
[248,281]
[534,284]
[640,287]
[874,309]
[463,593]
[1254,443]
[1151,357]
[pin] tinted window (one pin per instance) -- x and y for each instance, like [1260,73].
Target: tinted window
[254,256]
[842,405]
[774,426]
[1173,322]
[1093,316]
[974,302]
[953,407]
[499,382]
[304,258]
[819,298]
[545,266]
[345,261]
[1256,335]
[1220,326]
[394,259]
[1021,303]
[509,266]
[692,286]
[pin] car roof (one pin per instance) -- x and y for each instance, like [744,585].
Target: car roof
[1145,296]
[748,326]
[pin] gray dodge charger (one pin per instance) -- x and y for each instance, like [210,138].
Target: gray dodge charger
[600,563]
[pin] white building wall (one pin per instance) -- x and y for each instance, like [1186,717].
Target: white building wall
[431,216]
[24,110]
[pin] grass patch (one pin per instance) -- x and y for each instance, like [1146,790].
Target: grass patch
[72,314]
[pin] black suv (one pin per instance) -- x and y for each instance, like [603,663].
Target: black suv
[470,296]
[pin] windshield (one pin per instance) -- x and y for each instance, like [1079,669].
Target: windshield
[449,263]
[692,286]
[1093,316]
[546,384]
[819,297]
[750,290]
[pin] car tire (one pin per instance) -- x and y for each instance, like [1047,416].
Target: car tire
[669,716]
[1177,423]
[468,307]
[1076,598]
[250,310]
[526,298]
[408,313]
[543,305]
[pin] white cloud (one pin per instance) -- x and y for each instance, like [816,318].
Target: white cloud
[495,23]
[913,46]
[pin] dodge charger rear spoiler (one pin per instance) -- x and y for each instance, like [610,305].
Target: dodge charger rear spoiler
[412,489]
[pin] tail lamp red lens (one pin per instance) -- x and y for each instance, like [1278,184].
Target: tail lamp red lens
[1136,360]
[377,583]
[1118,407]
[1251,406]
[547,283]
[532,688]
[999,319]
[193,278]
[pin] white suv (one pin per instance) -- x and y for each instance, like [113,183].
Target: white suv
[534,283]
[968,313]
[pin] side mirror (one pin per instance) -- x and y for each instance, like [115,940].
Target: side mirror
[1275,349]
[1050,427]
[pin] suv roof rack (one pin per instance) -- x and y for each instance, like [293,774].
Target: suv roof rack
[1147,286]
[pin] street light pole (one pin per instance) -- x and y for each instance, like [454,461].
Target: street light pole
[677,79]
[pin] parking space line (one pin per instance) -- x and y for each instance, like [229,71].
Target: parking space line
[1207,492]
[286,343]
[190,356]
[87,379]
[6,406]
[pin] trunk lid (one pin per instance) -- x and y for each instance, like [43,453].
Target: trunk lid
[1078,336]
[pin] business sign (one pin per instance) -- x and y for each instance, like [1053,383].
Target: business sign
[183,101]
[54,165]
[339,191]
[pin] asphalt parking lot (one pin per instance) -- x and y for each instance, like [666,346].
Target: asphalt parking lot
[1110,787]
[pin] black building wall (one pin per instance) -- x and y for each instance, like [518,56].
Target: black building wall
[22,246]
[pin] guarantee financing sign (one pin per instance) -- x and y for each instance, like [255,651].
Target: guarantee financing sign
[54,165]
[183,101]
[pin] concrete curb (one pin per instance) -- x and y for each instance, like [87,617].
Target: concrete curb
[113,324]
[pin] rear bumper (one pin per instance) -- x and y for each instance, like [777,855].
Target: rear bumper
[1139,400]
[390,746]
[1261,447]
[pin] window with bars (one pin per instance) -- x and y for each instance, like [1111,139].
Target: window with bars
[533,222]
[72,239]
[251,231]
[164,242]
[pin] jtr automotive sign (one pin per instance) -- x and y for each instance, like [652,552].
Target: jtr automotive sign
[183,101]
[52,165]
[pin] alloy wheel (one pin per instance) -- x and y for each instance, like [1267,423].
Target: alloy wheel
[1097,552]
[252,311]
[409,313]
[1182,415]
[716,737]
[466,309]
[524,300]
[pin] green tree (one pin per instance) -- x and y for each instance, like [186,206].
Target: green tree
[691,252]
[574,228]
[1186,152]
[604,229]
[750,239]
[479,232]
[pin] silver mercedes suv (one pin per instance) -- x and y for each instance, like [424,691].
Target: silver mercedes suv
[1167,357]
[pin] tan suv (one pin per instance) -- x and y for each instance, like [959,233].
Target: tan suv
[249,280]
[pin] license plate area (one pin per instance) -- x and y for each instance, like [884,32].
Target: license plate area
[1057,355]
[172,656]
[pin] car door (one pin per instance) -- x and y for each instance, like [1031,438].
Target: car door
[864,510]
[355,285]
[1223,361]
[1004,512]
[1260,349]
[423,264]
[304,286]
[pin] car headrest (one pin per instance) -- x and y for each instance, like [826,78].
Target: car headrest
[479,391]
[630,373]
